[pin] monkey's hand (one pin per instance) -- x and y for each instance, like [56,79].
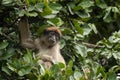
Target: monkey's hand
[47,64]
[47,58]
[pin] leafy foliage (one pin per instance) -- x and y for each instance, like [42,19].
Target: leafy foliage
[90,42]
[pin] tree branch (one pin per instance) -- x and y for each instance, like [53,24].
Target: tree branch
[92,45]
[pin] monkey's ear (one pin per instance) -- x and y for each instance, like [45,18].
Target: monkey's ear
[45,32]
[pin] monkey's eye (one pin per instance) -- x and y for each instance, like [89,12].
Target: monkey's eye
[52,33]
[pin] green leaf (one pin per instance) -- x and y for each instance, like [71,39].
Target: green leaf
[71,78]
[28,57]
[55,69]
[80,49]
[66,31]
[61,65]
[46,11]
[55,22]
[69,70]
[3,45]
[86,30]
[115,10]
[32,14]
[25,70]
[70,7]
[21,12]
[50,16]
[101,70]
[77,75]
[30,8]
[92,26]
[12,67]
[62,43]
[6,70]
[31,1]
[1,52]
[55,7]
[116,54]
[107,16]
[83,14]
[77,26]
[27,2]
[46,76]
[114,39]
[42,70]
[6,2]
[10,52]
[101,4]
[50,12]
[39,7]
[86,4]
[111,75]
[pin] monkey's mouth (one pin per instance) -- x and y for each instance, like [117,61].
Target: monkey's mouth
[52,41]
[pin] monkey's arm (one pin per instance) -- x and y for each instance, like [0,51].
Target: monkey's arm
[25,35]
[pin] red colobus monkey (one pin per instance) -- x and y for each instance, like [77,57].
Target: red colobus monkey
[47,45]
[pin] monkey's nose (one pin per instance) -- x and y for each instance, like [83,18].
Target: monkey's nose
[51,40]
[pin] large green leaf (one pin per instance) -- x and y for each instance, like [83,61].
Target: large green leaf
[21,12]
[116,55]
[107,16]
[115,10]
[39,7]
[24,70]
[46,11]
[83,14]
[32,14]
[10,52]
[77,75]
[7,2]
[101,4]
[55,7]
[3,45]
[92,26]
[30,1]
[86,30]
[69,70]
[55,22]
[55,69]
[80,49]
[31,8]
[77,26]
[111,75]
[86,4]
[6,70]
[28,57]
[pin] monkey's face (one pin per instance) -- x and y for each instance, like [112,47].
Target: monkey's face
[51,38]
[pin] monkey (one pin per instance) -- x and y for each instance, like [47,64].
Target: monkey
[47,44]
[50,49]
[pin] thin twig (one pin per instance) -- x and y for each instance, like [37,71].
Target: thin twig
[92,45]
[6,36]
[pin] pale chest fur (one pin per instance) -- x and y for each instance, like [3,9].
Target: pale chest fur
[53,52]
